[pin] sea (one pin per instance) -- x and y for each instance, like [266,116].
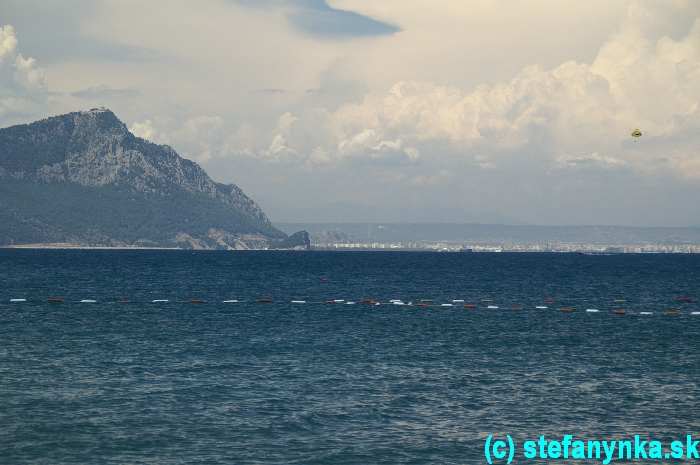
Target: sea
[119,379]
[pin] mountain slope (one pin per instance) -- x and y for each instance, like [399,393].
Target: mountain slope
[83,178]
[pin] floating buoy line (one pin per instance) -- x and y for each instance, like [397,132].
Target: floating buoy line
[485,304]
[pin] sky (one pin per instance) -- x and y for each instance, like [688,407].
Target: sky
[486,111]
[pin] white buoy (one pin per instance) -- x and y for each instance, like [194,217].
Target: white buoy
[298,301]
[592,310]
[446,305]
[230,301]
[492,307]
[458,301]
[160,301]
[16,301]
[350,303]
[339,301]
[695,313]
[88,301]
[397,302]
[542,307]
[646,313]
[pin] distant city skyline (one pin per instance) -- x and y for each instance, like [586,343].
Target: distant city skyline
[447,237]
[482,111]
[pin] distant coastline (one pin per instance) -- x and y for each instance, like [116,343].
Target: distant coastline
[70,246]
[65,246]
[344,248]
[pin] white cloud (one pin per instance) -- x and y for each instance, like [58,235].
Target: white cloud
[145,130]
[637,79]
[279,149]
[199,137]
[23,87]
[8,42]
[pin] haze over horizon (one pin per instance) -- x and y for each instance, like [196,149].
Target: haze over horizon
[486,112]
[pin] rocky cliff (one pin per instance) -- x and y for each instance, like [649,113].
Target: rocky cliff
[83,178]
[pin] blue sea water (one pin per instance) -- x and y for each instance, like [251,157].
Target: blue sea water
[278,383]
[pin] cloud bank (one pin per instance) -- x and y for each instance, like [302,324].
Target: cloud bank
[464,111]
[574,114]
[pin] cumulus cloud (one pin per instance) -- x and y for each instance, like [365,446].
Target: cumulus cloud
[199,137]
[279,149]
[23,88]
[146,130]
[637,79]
[8,41]
[535,143]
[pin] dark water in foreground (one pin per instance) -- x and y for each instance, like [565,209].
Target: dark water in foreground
[252,383]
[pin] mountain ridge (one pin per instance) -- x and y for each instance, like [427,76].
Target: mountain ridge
[62,176]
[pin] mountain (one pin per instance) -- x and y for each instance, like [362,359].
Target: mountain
[84,179]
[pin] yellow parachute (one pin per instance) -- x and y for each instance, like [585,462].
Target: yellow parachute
[636,133]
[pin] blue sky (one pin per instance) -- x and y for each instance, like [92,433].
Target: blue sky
[317,18]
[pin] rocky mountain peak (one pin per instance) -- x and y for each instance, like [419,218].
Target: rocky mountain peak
[99,120]
[93,150]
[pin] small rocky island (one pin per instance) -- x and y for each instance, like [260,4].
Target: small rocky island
[83,180]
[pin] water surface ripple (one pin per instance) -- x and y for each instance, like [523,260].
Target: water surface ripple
[249,383]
